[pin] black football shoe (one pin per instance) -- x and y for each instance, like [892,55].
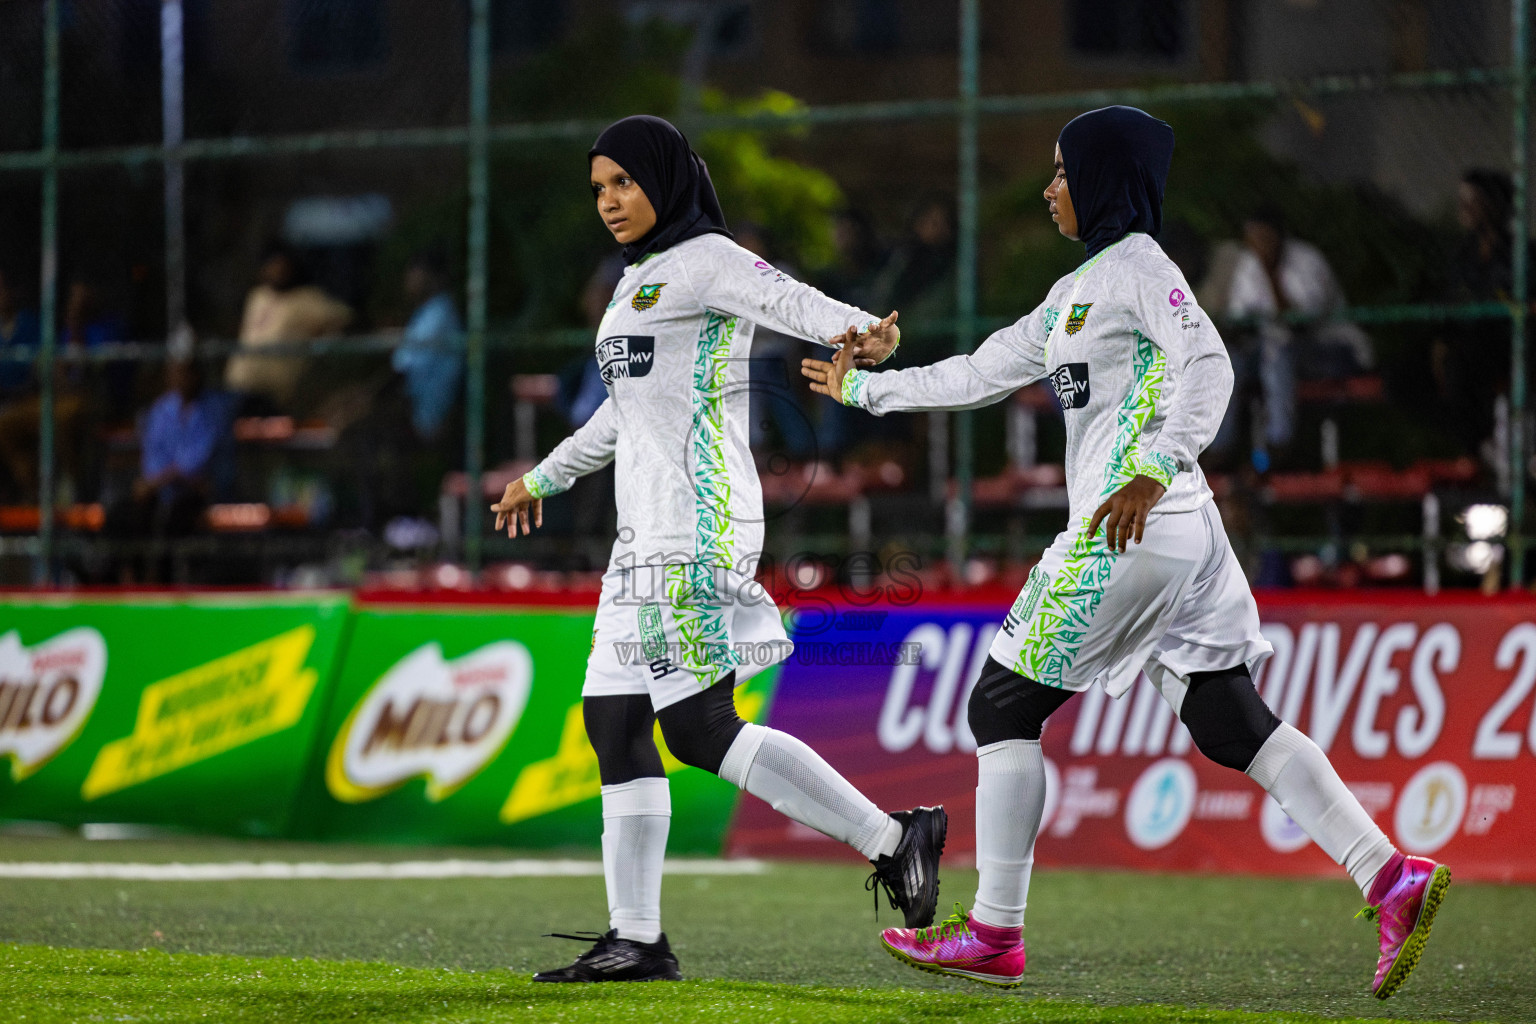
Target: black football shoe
[614,959]
[910,876]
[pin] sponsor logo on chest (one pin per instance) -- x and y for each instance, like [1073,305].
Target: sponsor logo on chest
[1070,382]
[626,355]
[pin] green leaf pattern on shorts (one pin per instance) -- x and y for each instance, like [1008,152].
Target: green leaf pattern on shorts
[1060,624]
[1055,633]
[703,643]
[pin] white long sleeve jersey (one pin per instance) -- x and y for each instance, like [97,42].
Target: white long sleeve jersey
[673,349]
[1141,373]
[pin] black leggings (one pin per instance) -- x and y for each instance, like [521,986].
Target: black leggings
[698,730]
[1222,710]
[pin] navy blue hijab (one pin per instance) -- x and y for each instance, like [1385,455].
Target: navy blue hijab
[1117,161]
[671,174]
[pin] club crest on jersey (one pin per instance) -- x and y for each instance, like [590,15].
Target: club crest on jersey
[1079,315]
[625,356]
[647,296]
[1070,382]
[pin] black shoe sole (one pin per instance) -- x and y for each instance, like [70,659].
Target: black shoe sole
[936,846]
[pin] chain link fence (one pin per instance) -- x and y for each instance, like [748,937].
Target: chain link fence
[355,234]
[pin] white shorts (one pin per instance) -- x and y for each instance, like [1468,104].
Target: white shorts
[674,630]
[1176,603]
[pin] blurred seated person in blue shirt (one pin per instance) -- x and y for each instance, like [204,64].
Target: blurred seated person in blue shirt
[186,452]
[431,350]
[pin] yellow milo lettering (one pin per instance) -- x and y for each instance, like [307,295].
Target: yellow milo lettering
[570,776]
[207,710]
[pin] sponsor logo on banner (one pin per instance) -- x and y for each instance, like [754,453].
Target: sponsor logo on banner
[46,694]
[1281,833]
[223,704]
[1161,803]
[432,718]
[1431,807]
[1081,797]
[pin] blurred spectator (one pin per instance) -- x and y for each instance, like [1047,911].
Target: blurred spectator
[581,380]
[859,257]
[1470,360]
[186,447]
[88,325]
[918,277]
[1284,300]
[84,325]
[581,393]
[852,278]
[430,355]
[282,308]
[18,336]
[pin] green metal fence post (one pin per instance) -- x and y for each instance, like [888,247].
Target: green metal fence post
[958,513]
[42,570]
[479,215]
[172,134]
[1521,288]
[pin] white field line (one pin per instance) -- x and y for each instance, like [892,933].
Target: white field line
[233,871]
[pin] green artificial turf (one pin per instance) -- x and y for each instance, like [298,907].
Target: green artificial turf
[798,943]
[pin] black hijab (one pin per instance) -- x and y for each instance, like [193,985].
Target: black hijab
[672,176]
[1117,162]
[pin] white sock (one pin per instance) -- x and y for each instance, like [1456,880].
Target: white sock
[636,816]
[1010,799]
[777,768]
[1297,773]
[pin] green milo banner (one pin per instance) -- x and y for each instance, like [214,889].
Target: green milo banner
[307,716]
[464,725]
[197,712]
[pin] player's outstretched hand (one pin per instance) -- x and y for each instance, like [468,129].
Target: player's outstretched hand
[827,378]
[1124,515]
[517,506]
[875,345]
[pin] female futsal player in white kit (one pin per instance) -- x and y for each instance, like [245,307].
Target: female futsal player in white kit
[1143,379]
[680,621]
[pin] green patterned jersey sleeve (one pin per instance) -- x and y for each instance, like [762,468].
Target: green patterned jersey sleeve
[1005,362]
[1198,379]
[589,449]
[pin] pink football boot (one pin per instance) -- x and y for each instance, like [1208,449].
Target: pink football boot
[952,947]
[1403,917]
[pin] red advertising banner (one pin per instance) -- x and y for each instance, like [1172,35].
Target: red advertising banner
[1427,708]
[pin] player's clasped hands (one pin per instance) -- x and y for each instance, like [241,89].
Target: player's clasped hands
[875,345]
[862,350]
[1124,515]
[827,377]
[516,507]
